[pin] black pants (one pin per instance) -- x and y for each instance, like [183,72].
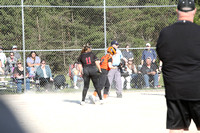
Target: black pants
[90,73]
[104,82]
[181,112]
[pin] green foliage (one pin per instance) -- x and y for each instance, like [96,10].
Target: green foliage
[197,16]
[46,28]
[11,31]
[71,28]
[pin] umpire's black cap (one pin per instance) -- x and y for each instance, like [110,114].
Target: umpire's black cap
[114,42]
[186,5]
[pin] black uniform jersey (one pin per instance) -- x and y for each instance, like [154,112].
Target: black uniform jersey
[87,59]
[178,47]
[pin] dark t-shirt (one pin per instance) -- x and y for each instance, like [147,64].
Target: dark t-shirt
[19,72]
[145,69]
[127,55]
[178,47]
[87,59]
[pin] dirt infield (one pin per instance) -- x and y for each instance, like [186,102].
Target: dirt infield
[136,112]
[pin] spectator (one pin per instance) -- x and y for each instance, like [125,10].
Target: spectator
[3,62]
[149,71]
[18,75]
[148,52]
[1,69]
[16,54]
[76,75]
[131,74]
[159,72]
[115,74]
[2,58]
[44,74]
[33,61]
[178,49]
[11,63]
[127,54]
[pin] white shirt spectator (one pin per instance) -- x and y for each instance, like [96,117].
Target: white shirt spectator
[3,58]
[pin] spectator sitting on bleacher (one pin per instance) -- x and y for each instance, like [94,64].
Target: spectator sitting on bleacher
[149,71]
[131,70]
[3,62]
[11,63]
[1,70]
[76,75]
[127,54]
[148,52]
[33,61]
[43,73]
[2,57]
[18,75]
[16,54]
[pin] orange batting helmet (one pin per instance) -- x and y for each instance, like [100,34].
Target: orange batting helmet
[111,50]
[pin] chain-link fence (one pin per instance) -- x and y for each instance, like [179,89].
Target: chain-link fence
[57,29]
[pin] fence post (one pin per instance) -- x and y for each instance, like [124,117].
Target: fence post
[23,42]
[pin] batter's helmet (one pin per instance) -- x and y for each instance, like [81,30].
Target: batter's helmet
[111,50]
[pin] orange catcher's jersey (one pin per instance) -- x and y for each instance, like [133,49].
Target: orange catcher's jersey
[104,61]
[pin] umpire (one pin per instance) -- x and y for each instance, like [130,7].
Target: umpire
[178,48]
[115,74]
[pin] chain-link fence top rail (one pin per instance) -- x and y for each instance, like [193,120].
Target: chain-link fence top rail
[89,2]
[57,29]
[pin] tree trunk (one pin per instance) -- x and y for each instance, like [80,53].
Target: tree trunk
[63,42]
[39,35]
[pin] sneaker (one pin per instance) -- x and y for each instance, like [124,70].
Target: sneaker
[155,87]
[76,87]
[119,95]
[62,87]
[82,103]
[101,101]
[92,99]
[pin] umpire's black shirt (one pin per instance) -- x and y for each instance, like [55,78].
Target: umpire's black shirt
[178,47]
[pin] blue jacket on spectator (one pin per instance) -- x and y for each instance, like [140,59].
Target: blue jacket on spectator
[39,72]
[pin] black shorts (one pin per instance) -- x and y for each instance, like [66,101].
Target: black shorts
[181,112]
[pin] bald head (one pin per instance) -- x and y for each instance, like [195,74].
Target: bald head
[189,16]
